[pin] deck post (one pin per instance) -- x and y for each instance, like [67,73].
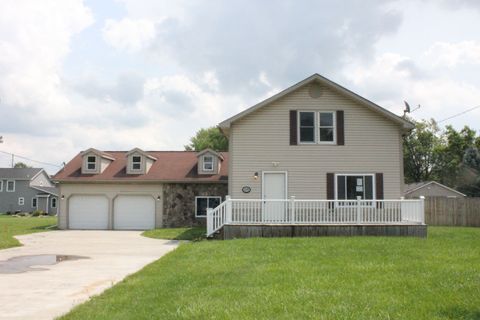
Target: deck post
[422,209]
[209,221]
[228,217]
[292,209]
[359,210]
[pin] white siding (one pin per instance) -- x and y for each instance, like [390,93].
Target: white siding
[372,144]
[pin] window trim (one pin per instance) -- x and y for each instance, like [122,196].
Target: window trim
[14,185]
[87,162]
[1,185]
[203,164]
[334,127]
[316,127]
[374,191]
[36,203]
[208,197]
[51,202]
[22,199]
[136,162]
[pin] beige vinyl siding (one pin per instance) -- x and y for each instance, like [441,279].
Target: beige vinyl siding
[216,164]
[372,144]
[111,192]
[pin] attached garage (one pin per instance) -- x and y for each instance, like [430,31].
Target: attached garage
[134,212]
[88,212]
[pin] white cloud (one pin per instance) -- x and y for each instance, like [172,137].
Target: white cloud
[129,34]
[453,54]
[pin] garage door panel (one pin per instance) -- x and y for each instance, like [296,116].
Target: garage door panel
[134,213]
[88,212]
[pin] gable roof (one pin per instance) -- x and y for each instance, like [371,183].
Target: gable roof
[407,125]
[98,153]
[409,188]
[49,190]
[208,150]
[140,151]
[19,173]
[171,166]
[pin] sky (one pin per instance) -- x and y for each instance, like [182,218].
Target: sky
[119,74]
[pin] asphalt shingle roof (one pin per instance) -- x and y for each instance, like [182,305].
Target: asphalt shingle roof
[19,173]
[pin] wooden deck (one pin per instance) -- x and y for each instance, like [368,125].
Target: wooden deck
[234,231]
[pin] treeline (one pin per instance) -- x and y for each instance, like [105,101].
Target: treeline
[448,156]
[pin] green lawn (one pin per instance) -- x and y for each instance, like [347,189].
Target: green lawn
[11,226]
[304,278]
[196,233]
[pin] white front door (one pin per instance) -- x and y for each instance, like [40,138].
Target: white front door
[134,212]
[274,188]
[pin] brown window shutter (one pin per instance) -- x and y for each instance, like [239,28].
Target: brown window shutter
[330,186]
[379,186]
[293,127]
[340,128]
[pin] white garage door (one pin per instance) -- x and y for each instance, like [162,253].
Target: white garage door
[88,212]
[134,213]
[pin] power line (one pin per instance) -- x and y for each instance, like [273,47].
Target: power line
[36,161]
[459,114]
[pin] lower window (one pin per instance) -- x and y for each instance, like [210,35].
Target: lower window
[21,201]
[203,203]
[351,186]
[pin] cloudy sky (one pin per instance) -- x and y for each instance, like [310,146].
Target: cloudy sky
[149,73]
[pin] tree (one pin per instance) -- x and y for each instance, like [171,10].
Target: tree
[211,138]
[421,151]
[20,165]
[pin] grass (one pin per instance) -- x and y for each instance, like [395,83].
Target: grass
[11,226]
[304,278]
[195,233]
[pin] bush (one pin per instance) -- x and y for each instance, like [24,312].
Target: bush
[37,213]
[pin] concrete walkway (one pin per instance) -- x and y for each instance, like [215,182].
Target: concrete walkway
[55,289]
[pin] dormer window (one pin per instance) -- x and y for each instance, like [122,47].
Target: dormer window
[136,163]
[91,163]
[207,163]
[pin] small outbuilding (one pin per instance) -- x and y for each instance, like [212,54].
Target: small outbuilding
[430,189]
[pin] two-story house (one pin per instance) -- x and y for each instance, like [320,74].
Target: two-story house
[27,190]
[139,189]
[314,154]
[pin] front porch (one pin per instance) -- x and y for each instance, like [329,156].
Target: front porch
[240,218]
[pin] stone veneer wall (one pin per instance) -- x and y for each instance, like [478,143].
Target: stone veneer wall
[179,202]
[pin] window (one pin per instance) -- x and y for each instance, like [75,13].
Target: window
[207,163]
[202,203]
[316,127]
[351,186]
[1,185]
[136,163]
[326,127]
[307,127]
[11,186]
[91,163]
[54,202]
[21,201]
[34,202]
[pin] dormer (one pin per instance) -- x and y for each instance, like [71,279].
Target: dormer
[209,162]
[95,161]
[139,162]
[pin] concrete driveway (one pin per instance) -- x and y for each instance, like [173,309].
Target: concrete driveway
[100,259]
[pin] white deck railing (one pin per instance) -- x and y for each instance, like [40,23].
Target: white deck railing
[293,211]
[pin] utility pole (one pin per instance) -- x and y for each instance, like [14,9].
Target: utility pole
[13,160]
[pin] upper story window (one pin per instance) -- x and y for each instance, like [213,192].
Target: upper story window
[91,163]
[1,185]
[10,186]
[207,163]
[136,162]
[316,127]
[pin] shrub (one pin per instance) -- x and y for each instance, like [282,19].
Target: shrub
[37,213]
